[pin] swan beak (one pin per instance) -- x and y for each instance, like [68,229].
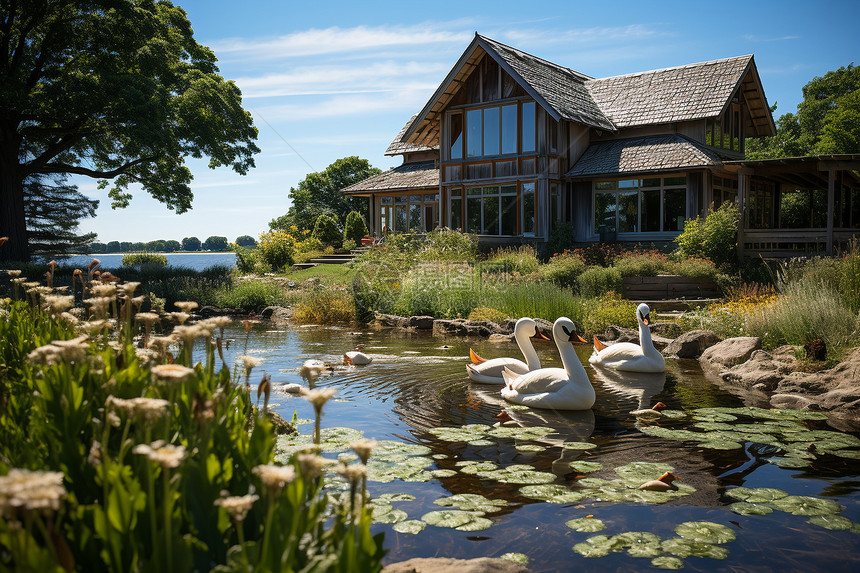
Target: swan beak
[574,337]
[646,320]
[539,335]
[348,360]
[475,358]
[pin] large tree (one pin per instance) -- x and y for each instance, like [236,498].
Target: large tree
[319,193]
[53,209]
[827,120]
[117,90]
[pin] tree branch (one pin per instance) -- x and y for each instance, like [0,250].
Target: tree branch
[78,170]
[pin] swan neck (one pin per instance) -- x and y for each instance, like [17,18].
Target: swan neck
[645,339]
[528,350]
[569,359]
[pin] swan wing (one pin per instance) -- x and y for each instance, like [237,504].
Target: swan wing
[621,351]
[540,381]
[496,366]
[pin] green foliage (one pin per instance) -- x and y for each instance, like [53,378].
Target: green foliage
[278,248]
[319,193]
[251,295]
[597,281]
[103,102]
[214,243]
[521,259]
[326,231]
[134,504]
[188,244]
[643,264]
[607,310]
[53,209]
[715,237]
[325,306]
[355,228]
[849,282]
[563,269]
[488,314]
[249,260]
[144,260]
[246,241]
[446,245]
[561,238]
[518,298]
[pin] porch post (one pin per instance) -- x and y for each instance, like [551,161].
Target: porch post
[831,201]
[743,182]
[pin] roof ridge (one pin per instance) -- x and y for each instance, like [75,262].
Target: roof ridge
[682,67]
[582,76]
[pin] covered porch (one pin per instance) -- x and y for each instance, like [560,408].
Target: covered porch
[799,206]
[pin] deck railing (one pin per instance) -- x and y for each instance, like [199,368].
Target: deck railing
[793,242]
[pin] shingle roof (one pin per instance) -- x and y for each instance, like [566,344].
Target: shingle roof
[683,93]
[562,88]
[642,155]
[398,146]
[416,175]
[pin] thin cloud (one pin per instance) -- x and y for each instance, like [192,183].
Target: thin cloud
[754,38]
[345,105]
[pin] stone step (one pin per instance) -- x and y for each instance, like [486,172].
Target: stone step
[302,266]
[331,261]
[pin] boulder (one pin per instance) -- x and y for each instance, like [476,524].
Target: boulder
[277,314]
[691,344]
[210,311]
[463,327]
[392,320]
[499,338]
[615,334]
[666,329]
[729,352]
[420,322]
[446,565]
[764,370]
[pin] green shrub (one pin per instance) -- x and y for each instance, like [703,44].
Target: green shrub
[354,228]
[440,290]
[348,244]
[598,281]
[325,306]
[448,246]
[563,270]
[534,299]
[607,310]
[141,260]
[561,238]
[326,231]
[643,264]
[715,237]
[249,259]
[849,282]
[488,314]
[522,259]
[278,249]
[251,295]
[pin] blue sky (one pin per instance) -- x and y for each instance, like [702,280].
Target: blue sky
[330,79]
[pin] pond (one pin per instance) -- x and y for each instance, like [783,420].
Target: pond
[531,472]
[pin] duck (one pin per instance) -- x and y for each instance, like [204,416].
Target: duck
[629,357]
[652,412]
[357,357]
[490,371]
[663,483]
[565,388]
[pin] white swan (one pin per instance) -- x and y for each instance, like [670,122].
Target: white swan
[357,357]
[565,388]
[642,357]
[490,371]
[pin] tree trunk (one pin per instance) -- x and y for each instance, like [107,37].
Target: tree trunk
[12,221]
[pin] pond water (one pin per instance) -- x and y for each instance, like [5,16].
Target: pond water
[417,384]
[195,261]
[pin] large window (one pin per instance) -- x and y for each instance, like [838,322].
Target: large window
[529,119]
[489,210]
[489,131]
[529,223]
[760,209]
[725,191]
[414,213]
[641,205]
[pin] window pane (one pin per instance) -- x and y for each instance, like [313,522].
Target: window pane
[674,209]
[509,214]
[491,131]
[508,189]
[491,190]
[457,136]
[455,192]
[400,199]
[528,127]
[431,197]
[651,210]
[509,129]
[604,185]
[628,184]
[628,205]
[474,191]
[604,211]
[528,208]
[386,200]
[675,181]
[457,214]
[385,219]
[651,182]
[414,217]
[473,214]
[474,130]
[415,198]
[400,218]
[491,216]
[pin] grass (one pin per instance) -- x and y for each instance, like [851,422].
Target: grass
[328,274]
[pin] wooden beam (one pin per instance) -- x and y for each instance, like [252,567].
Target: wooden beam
[831,196]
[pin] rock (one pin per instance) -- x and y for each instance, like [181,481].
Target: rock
[445,565]
[764,370]
[210,311]
[277,314]
[729,352]
[497,338]
[691,344]
[392,320]
[792,402]
[463,327]
[279,424]
[616,334]
[421,322]
[666,329]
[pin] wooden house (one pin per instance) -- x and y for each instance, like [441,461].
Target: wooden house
[511,144]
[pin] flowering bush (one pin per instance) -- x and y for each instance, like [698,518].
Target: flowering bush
[563,269]
[606,310]
[278,248]
[597,281]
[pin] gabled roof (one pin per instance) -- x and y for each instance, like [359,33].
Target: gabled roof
[399,146]
[409,176]
[640,155]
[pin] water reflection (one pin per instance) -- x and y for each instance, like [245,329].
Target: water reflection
[639,386]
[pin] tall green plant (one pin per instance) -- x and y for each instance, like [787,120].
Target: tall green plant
[326,231]
[354,228]
[715,237]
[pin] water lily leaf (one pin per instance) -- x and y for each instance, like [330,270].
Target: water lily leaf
[639,543]
[586,524]
[520,558]
[850,454]
[471,502]
[640,472]
[585,467]
[412,526]
[439,456]
[579,446]
[505,475]
[705,531]
[527,433]
[390,516]
[688,548]
[673,414]
[553,493]
[471,467]
[833,522]
[442,473]
[757,494]
[790,462]
[746,508]
[666,562]
[477,524]
[389,497]
[449,518]
[670,434]
[714,415]
[597,546]
[713,426]
[480,443]
[805,505]
[530,448]
[717,443]
[385,448]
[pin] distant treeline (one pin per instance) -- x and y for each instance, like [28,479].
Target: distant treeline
[217,244]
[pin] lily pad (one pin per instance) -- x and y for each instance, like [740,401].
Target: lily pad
[806,505]
[385,448]
[667,562]
[639,543]
[442,473]
[673,414]
[597,546]
[386,514]
[477,524]
[553,493]
[585,467]
[521,433]
[706,532]
[637,473]
[451,518]
[517,474]
[529,448]
[745,508]
[520,558]
[790,462]
[579,446]
[586,524]
[688,548]
[413,526]
[833,522]
[472,467]
[389,497]
[480,443]
[471,502]
[756,494]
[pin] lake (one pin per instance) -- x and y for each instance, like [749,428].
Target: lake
[416,388]
[196,261]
